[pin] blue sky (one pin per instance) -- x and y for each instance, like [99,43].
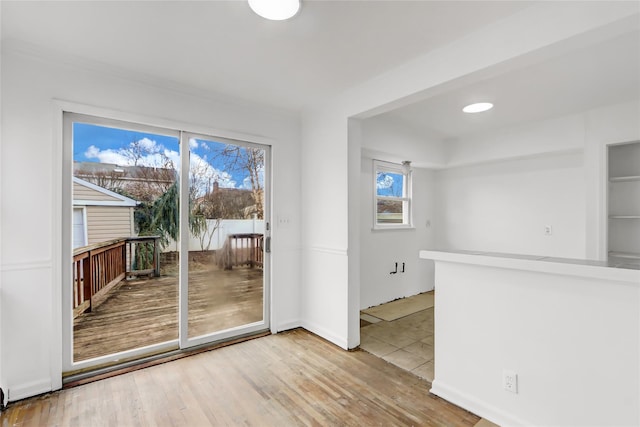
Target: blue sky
[389,184]
[85,135]
[92,143]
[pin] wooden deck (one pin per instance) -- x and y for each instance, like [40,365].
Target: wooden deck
[143,312]
[289,379]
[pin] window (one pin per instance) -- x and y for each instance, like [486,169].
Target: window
[392,195]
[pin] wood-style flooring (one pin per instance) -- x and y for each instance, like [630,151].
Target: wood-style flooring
[143,312]
[289,379]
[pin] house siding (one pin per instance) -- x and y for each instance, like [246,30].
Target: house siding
[80,192]
[109,222]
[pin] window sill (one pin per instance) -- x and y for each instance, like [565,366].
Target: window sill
[393,228]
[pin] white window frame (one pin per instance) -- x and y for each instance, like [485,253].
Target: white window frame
[407,205]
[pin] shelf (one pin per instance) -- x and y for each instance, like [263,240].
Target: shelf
[624,178]
[623,209]
[627,255]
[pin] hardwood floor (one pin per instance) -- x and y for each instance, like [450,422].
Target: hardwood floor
[289,379]
[145,311]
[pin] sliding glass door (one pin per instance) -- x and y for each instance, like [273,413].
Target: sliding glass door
[227,215]
[166,240]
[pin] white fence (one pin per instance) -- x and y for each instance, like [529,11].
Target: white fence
[213,238]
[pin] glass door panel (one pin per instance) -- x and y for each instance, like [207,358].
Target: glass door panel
[124,232]
[226,285]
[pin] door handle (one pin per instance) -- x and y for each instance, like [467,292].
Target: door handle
[267,244]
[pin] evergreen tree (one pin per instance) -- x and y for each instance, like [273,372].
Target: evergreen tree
[162,217]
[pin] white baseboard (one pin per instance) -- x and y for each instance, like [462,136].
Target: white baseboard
[326,334]
[285,326]
[478,407]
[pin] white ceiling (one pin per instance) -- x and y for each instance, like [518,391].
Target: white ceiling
[600,74]
[223,48]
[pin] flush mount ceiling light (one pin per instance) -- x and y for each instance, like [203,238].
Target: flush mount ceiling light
[478,107]
[275,10]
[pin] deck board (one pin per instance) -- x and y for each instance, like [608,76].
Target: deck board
[144,312]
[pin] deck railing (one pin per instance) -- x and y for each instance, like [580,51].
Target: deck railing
[99,267]
[242,249]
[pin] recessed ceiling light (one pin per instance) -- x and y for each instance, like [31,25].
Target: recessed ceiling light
[478,107]
[275,10]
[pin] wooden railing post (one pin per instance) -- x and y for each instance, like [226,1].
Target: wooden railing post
[123,259]
[87,291]
[156,257]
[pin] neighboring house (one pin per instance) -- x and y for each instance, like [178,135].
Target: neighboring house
[143,183]
[100,214]
[229,203]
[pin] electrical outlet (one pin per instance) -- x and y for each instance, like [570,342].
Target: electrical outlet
[548,230]
[510,381]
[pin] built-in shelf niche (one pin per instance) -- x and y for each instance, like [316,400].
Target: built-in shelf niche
[624,204]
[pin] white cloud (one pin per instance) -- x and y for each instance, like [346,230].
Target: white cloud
[106,156]
[202,174]
[385,182]
[144,152]
[149,145]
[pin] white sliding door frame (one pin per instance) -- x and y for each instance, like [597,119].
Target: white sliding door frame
[62,339]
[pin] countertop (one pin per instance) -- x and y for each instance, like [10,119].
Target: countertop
[562,266]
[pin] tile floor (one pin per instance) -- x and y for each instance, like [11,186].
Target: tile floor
[406,342]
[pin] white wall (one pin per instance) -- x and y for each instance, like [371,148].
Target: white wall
[388,140]
[573,342]
[555,135]
[500,189]
[394,141]
[497,191]
[381,249]
[494,192]
[31,264]
[505,206]
[325,293]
